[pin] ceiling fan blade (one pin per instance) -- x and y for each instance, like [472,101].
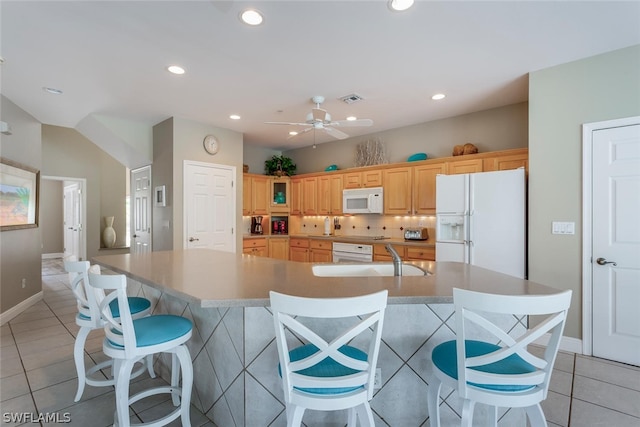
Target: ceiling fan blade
[335,133]
[286,123]
[358,122]
[319,114]
[300,133]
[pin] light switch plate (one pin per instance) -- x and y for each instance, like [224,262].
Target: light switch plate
[558,227]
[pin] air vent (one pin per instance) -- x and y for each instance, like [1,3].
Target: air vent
[350,99]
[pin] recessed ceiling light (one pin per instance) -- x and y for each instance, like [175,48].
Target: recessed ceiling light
[234,117]
[438,96]
[52,90]
[175,69]
[352,118]
[251,17]
[293,133]
[400,5]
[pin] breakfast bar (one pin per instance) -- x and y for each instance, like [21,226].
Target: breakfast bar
[233,346]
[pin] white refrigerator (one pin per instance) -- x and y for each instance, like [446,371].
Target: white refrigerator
[480,220]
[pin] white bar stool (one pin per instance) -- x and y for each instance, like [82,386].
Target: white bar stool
[130,340]
[89,319]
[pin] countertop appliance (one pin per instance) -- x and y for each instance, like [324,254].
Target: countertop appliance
[256,225]
[416,234]
[362,201]
[352,252]
[480,220]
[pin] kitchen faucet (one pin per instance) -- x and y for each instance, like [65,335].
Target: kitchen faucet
[397,261]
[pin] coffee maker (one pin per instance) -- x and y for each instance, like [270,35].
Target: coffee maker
[256,224]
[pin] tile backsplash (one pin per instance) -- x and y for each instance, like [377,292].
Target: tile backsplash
[363,225]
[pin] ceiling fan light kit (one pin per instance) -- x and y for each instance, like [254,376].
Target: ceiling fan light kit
[320,120]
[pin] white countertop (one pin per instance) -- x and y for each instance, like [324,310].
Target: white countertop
[222,279]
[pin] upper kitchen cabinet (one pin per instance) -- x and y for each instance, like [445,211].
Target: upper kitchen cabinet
[280,194]
[255,194]
[512,159]
[330,194]
[455,167]
[310,199]
[363,179]
[424,187]
[397,190]
[297,196]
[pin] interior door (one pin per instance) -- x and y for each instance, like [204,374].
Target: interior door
[616,243]
[72,219]
[209,206]
[141,210]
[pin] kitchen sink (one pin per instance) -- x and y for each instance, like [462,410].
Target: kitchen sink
[364,270]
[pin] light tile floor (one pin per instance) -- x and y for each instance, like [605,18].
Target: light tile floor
[38,374]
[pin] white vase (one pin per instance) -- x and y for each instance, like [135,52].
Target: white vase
[109,234]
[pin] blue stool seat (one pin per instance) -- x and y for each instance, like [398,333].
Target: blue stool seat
[158,329]
[136,305]
[326,368]
[444,358]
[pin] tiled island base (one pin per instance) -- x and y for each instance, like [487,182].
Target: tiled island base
[235,365]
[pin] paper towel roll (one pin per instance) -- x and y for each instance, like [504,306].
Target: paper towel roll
[327,226]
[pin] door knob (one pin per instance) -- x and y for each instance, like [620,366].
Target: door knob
[193,239]
[603,261]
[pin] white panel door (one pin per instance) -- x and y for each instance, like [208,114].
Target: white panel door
[141,210]
[497,221]
[616,244]
[209,206]
[72,219]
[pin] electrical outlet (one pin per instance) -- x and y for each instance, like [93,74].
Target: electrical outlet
[24,283]
[377,379]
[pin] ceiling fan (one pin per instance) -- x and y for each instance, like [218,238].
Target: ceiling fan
[319,119]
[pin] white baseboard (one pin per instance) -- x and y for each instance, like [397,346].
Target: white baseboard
[17,309]
[53,255]
[573,345]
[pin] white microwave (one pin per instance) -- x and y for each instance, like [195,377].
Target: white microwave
[362,201]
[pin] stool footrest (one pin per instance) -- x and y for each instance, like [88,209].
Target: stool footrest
[103,382]
[152,392]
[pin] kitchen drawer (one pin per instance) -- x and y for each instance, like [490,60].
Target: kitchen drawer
[427,253]
[254,243]
[379,249]
[295,242]
[320,244]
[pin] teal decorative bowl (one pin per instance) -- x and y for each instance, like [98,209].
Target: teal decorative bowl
[331,168]
[416,157]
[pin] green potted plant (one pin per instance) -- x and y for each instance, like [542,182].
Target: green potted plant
[279,166]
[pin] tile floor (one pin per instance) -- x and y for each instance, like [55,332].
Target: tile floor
[38,374]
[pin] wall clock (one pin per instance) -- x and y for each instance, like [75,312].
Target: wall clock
[211,144]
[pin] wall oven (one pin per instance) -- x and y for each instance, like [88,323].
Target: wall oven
[352,252]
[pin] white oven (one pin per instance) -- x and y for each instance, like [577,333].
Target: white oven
[352,252]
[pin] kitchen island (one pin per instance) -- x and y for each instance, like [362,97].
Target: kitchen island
[233,345]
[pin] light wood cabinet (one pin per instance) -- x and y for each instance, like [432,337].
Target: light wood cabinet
[330,194]
[310,199]
[257,247]
[297,195]
[424,187]
[320,250]
[279,248]
[397,190]
[509,161]
[363,179]
[255,195]
[380,252]
[420,253]
[279,194]
[298,249]
[464,166]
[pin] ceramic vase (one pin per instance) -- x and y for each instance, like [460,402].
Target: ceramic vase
[109,234]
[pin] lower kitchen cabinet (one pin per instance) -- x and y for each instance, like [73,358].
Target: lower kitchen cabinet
[298,249]
[320,251]
[414,253]
[257,247]
[279,248]
[381,254]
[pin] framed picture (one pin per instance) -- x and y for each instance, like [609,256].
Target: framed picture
[160,198]
[19,195]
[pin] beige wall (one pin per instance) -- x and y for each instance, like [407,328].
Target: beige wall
[20,250]
[69,154]
[561,99]
[490,130]
[254,157]
[51,216]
